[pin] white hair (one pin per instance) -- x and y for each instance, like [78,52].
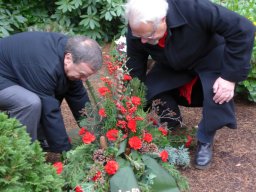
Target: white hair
[144,11]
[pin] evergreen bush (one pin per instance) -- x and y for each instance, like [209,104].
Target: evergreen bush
[22,164]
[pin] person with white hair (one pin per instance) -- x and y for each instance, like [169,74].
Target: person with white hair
[201,50]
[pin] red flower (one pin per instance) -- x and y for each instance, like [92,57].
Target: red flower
[106,80]
[164,155]
[163,130]
[189,141]
[78,189]
[153,121]
[136,100]
[103,91]
[138,118]
[147,137]
[111,167]
[132,109]
[127,77]
[102,113]
[132,125]
[121,123]
[112,134]
[96,176]
[121,108]
[88,138]
[82,131]
[135,142]
[59,167]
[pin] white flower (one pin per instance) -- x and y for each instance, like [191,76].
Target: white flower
[121,44]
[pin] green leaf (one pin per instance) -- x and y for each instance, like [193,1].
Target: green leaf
[124,180]
[122,147]
[108,16]
[163,182]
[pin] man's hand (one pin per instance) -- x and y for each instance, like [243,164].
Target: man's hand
[224,90]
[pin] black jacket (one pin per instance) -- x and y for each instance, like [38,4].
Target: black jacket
[34,60]
[202,36]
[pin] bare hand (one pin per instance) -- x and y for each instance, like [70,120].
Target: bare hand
[224,90]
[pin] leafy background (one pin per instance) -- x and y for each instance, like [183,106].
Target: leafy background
[99,19]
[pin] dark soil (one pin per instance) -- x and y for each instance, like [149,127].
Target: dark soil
[234,163]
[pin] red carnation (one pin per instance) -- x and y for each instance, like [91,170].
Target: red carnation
[164,155]
[135,100]
[111,167]
[135,142]
[132,125]
[112,134]
[78,189]
[189,141]
[147,137]
[127,77]
[59,167]
[163,131]
[103,91]
[82,131]
[102,113]
[88,138]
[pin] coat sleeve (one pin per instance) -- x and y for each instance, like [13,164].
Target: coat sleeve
[76,98]
[137,57]
[237,31]
[53,123]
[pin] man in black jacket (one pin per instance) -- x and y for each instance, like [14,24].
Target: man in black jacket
[40,69]
[201,50]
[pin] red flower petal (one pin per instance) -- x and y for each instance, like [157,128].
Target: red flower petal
[88,138]
[135,142]
[59,167]
[164,155]
[111,167]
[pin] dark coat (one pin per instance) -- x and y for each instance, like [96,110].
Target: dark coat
[203,38]
[35,61]
[195,29]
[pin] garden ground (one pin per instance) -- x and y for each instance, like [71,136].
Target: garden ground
[234,163]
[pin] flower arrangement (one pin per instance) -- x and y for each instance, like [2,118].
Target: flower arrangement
[121,146]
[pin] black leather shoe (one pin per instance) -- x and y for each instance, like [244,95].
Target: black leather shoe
[203,155]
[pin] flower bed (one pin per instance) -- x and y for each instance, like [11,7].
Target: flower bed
[122,147]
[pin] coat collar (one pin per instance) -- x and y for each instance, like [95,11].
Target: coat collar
[174,17]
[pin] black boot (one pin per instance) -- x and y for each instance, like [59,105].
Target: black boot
[203,155]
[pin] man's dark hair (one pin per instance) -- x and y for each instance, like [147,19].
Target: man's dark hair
[84,49]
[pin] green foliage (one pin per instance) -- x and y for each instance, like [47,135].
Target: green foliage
[22,164]
[94,18]
[246,8]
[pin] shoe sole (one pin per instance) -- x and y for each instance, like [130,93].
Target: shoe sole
[202,167]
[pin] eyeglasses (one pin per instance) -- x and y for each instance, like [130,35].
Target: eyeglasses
[151,35]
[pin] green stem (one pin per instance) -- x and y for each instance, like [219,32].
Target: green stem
[92,93]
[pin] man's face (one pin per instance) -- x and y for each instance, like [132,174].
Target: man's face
[149,32]
[79,71]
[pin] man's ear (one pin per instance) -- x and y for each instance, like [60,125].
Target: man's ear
[68,59]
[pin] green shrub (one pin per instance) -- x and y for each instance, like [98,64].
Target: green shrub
[99,19]
[246,8]
[22,164]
